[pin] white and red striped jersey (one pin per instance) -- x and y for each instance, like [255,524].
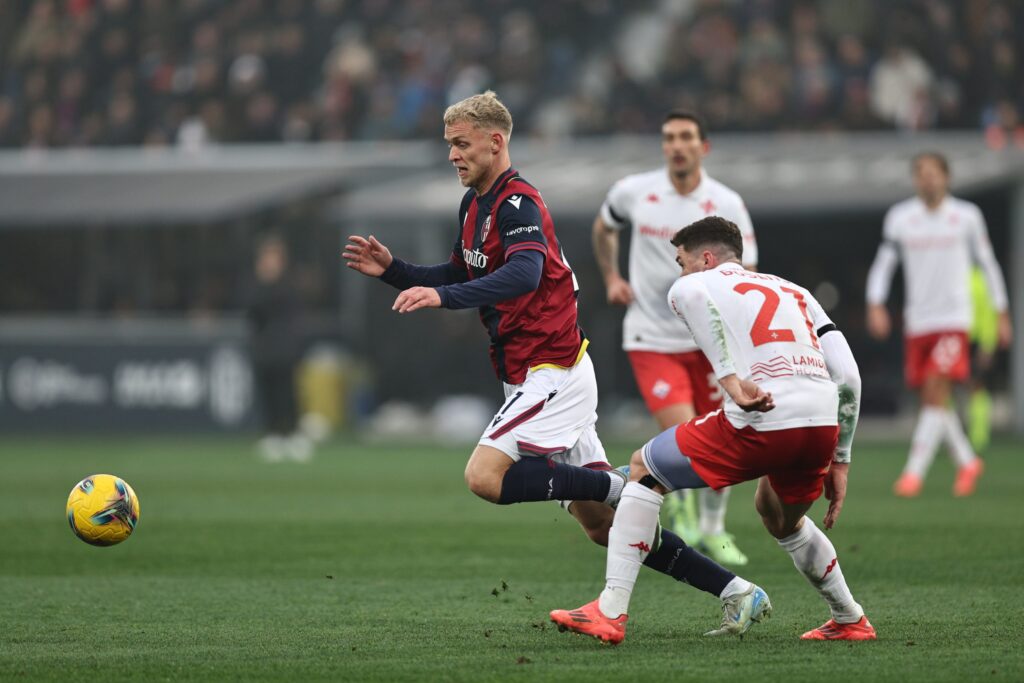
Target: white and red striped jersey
[937,248]
[650,203]
[763,328]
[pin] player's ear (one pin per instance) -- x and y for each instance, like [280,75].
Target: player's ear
[497,142]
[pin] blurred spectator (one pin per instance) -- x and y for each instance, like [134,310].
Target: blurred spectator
[901,85]
[273,311]
[157,72]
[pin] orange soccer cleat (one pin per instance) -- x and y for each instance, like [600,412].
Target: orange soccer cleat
[830,630]
[589,621]
[967,478]
[908,486]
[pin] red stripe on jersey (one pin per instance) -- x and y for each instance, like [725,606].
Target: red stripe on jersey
[518,420]
[520,247]
[534,449]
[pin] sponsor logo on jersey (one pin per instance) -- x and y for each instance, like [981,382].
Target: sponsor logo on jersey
[708,206]
[664,232]
[774,368]
[523,229]
[810,365]
[515,200]
[652,198]
[475,258]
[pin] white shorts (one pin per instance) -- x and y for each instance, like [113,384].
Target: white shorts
[552,414]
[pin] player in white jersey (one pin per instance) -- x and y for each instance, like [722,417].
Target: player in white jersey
[674,377]
[937,236]
[792,401]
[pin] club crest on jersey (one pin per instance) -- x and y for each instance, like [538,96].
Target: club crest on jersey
[486,229]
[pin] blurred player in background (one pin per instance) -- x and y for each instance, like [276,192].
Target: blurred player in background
[984,341]
[938,236]
[273,307]
[542,444]
[674,377]
[792,400]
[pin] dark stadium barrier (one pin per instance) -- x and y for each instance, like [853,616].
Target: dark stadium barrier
[132,375]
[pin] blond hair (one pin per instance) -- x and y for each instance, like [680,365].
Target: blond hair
[483,111]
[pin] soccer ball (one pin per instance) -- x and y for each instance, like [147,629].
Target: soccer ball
[103,510]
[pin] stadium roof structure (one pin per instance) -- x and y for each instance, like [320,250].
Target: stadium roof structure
[149,187]
[779,172]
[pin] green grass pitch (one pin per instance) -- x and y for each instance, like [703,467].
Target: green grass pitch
[374,563]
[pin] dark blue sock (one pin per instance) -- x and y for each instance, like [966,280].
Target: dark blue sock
[685,564]
[534,478]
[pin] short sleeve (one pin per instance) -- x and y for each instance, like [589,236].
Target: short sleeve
[617,206]
[521,225]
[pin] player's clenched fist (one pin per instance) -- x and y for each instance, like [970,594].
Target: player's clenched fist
[368,256]
[619,292]
[416,298]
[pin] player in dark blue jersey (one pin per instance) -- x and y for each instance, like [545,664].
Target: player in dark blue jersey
[542,443]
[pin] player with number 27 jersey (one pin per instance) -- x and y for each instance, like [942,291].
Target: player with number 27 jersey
[763,328]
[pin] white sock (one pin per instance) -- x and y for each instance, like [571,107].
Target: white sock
[712,511]
[629,543]
[929,430]
[959,446]
[615,490]
[815,557]
[737,586]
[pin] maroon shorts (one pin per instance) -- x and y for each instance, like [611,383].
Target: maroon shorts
[795,460]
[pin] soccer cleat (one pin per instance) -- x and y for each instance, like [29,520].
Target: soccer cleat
[589,621]
[830,630]
[722,549]
[739,612]
[681,507]
[967,478]
[908,485]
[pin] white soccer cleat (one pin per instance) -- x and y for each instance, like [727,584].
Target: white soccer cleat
[739,612]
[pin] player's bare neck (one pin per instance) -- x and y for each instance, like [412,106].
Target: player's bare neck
[485,185]
[685,183]
[932,203]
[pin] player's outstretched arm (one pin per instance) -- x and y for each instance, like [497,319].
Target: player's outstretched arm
[368,256]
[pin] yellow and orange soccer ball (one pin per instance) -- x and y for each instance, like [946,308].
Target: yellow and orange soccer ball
[103,509]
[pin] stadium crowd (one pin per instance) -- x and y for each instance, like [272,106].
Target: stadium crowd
[159,72]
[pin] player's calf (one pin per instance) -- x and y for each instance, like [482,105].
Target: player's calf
[495,477]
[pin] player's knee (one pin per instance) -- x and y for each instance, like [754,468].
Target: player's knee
[483,484]
[637,469]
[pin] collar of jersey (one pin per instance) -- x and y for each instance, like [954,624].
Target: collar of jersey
[498,185]
[696,194]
